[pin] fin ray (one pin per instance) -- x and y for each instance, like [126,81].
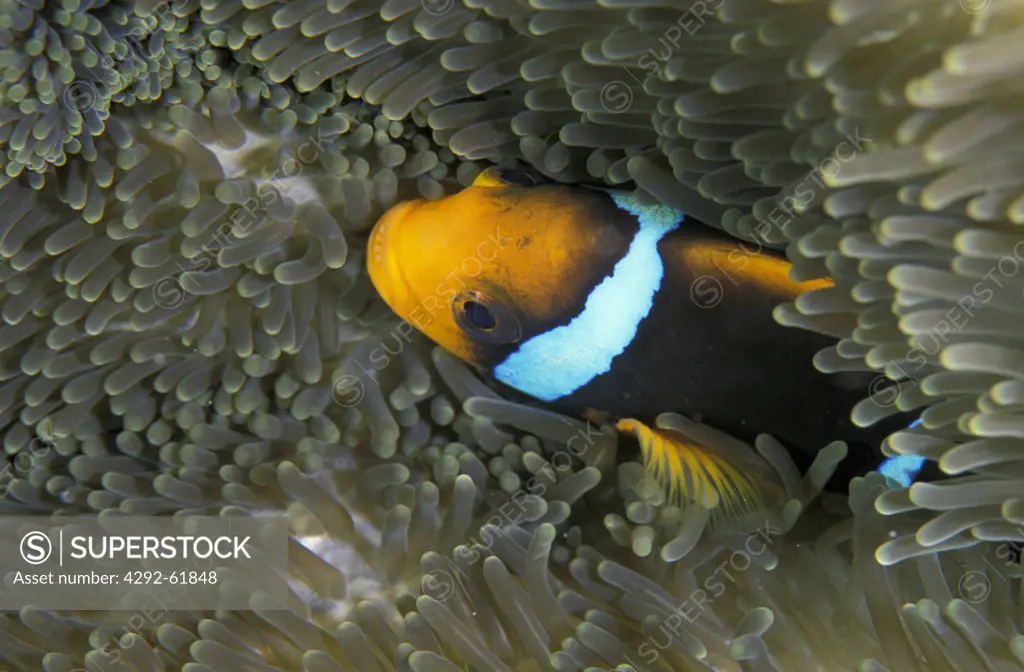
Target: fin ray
[690,472]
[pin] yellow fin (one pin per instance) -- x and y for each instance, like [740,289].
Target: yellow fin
[490,177]
[496,176]
[691,472]
[741,266]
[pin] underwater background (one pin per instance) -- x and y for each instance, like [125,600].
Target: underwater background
[188,326]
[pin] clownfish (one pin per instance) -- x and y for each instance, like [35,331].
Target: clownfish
[609,309]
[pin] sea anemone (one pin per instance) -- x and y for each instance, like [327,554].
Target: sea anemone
[188,327]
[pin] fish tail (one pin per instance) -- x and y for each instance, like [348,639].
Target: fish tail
[690,472]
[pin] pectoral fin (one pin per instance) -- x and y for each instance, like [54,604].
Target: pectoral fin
[691,472]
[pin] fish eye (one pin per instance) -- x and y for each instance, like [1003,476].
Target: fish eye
[484,318]
[479,315]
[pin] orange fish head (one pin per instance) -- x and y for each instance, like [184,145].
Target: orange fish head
[481,270]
